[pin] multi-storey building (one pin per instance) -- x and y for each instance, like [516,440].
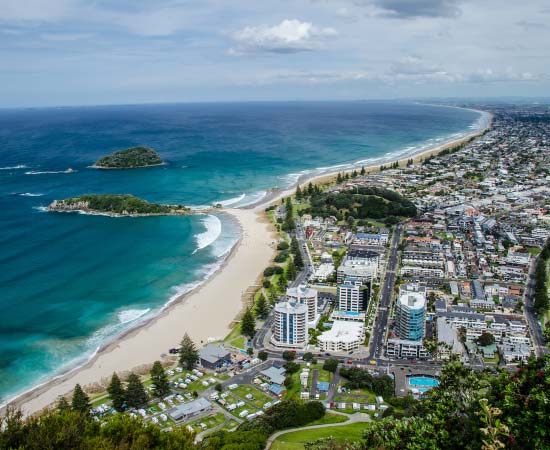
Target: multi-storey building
[290,325]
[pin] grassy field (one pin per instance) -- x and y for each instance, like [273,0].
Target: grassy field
[297,439]
[209,421]
[329,418]
[259,397]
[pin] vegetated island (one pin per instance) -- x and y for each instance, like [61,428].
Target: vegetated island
[116,205]
[131,158]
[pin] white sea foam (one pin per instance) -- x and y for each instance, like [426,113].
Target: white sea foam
[20,166]
[231,201]
[129,315]
[40,208]
[31,194]
[213,230]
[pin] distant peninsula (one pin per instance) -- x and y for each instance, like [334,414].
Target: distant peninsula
[116,205]
[131,158]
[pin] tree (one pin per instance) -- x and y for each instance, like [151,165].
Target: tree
[62,404]
[189,354]
[289,382]
[298,193]
[292,367]
[160,380]
[363,170]
[250,351]
[289,355]
[248,324]
[308,356]
[330,365]
[136,397]
[485,339]
[339,178]
[80,402]
[298,261]
[218,387]
[263,355]
[116,393]
[282,281]
[291,270]
[261,306]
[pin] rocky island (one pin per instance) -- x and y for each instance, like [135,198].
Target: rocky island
[131,158]
[116,205]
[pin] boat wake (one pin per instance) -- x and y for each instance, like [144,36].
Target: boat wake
[20,166]
[30,194]
[42,172]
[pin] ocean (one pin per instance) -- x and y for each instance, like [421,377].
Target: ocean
[71,282]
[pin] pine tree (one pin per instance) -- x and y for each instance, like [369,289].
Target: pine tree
[80,402]
[116,393]
[298,261]
[248,325]
[298,193]
[291,271]
[310,189]
[294,245]
[261,306]
[363,171]
[339,178]
[354,174]
[189,354]
[160,380]
[62,404]
[136,397]
[273,297]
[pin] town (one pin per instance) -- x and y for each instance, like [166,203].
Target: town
[381,277]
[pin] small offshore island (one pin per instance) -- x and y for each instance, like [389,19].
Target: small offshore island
[131,158]
[116,205]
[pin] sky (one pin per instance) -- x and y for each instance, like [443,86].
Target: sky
[76,52]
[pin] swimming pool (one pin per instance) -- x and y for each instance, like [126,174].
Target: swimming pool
[423,384]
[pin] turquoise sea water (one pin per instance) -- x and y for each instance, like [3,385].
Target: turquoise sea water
[71,282]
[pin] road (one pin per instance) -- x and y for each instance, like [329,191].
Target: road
[376,346]
[353,418]
[530,315]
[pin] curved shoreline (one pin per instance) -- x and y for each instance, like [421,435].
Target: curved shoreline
[36,398]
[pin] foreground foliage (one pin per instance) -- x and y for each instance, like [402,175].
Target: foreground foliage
[474,410]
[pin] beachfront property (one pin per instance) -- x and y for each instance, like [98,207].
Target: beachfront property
[343,336]
[213,356]
[305,296]
[290,327]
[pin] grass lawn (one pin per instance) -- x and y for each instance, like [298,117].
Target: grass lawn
[297,439]
[329,418]
[239,342]
[209,421]
[235,332]
[294,391]
[231,425]
[259,397]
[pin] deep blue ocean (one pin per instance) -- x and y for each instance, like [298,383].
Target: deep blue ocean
[71,282]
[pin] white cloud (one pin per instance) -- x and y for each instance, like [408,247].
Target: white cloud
[35,10]
[65,37]
[289,36]
[318,76]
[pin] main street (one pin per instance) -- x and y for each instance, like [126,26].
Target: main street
[530,315]
[381,322]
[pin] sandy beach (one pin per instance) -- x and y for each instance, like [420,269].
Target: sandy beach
[204,313]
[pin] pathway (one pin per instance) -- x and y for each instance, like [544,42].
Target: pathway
[353,418]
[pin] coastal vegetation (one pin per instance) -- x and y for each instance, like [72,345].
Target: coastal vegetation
[489,409]
[360,203]
[131,158]
[115,204]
